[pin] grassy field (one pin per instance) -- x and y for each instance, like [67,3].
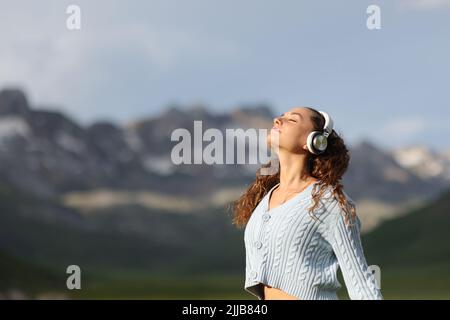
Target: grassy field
[433,283]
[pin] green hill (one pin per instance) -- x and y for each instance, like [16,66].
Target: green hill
[413,252]
[420,238]
[124,238]
[29,279]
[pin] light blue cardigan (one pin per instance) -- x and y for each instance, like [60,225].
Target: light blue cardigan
[287,249]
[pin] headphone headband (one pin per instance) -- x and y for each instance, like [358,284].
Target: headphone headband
[328,127]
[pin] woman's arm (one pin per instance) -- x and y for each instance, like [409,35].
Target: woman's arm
[347,246]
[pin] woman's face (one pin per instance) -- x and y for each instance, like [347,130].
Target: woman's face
[292,128]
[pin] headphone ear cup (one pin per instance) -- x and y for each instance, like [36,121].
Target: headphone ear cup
[320,143]
[310,142]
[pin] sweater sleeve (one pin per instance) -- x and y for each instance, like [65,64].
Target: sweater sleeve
[346,243]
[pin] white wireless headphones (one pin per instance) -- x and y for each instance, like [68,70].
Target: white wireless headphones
[317,141]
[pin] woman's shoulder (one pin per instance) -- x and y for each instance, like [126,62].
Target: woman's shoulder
[329,194]
[331,208]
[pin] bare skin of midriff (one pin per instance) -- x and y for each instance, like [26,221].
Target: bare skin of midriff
[271,293]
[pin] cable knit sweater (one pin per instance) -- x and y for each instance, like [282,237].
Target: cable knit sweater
[288,249]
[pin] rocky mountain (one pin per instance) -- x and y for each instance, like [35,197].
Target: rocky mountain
[45,152]
[425,162]
[375,174]
[48,154]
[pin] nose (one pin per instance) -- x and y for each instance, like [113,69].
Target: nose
[277,121]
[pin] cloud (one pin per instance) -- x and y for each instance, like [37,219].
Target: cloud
[405,127]
[113,49]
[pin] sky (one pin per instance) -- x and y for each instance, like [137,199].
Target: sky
[132,59]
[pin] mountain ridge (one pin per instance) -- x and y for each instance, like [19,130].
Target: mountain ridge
[48,154]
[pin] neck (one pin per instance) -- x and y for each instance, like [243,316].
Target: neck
[293,171]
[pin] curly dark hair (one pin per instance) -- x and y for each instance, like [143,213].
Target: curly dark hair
[328,168]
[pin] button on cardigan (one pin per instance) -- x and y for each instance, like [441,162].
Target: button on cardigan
[288,249]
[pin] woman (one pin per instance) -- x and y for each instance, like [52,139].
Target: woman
[300,225]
